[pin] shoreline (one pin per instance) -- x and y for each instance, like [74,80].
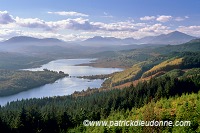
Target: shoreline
[102,63]
[12,91]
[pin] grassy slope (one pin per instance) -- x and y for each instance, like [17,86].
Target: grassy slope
[164,66]
[127,75]
[178,73]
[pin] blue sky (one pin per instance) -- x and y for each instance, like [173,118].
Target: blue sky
[71,20]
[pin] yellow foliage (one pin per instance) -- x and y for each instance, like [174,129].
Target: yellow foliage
[127,74]
[164,66]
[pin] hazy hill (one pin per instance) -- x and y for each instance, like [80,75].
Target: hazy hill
[23,42]
[31,45]
[175,37]
[26,39]
[193,45]
[130,41]
[96,44]
[50,47]
[195,41]
[53,47]
[99,41]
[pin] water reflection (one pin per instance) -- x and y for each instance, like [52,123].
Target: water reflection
[66,85]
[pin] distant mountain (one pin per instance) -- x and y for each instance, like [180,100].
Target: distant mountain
[31,45]
[26,39]
[130,41]
[195,41]
[99,38]
[105,41]
[175,37]
[101,41]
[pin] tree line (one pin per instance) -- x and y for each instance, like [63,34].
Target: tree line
[65,113]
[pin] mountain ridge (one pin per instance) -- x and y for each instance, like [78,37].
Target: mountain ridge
[175,37]
[27,39]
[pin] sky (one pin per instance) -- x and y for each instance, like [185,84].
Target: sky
[76,20]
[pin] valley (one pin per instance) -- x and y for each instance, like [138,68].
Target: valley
[84,82]
[106,66]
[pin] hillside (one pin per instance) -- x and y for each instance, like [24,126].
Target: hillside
[10,60]
[99,66]
[127,75]
[12,82]
[155,53]
[184,108]
[172,38]
[54,113]
[184,56]
[67,113]
[164,66]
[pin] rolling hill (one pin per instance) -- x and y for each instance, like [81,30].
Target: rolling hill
[184,57]
[164,66]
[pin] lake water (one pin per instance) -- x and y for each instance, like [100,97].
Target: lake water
[67,85]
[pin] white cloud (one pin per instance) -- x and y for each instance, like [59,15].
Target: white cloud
[164,18]
[186,16]
[63,13]
[179,19]
[130,19]
[156,29]
[142,31]
[118,26]
[68,37]
[80,24]
[8,26]
[5,32]
[74,24]
[32,23]
[8,33]
[146,18]
[81,28]
[118,29]
[191,30]
[86,25]
[6,18]
[106,15]
[54,28]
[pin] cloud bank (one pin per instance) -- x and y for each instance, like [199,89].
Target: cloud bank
[6,18]
[164,18]
[147,18]
[79,28]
